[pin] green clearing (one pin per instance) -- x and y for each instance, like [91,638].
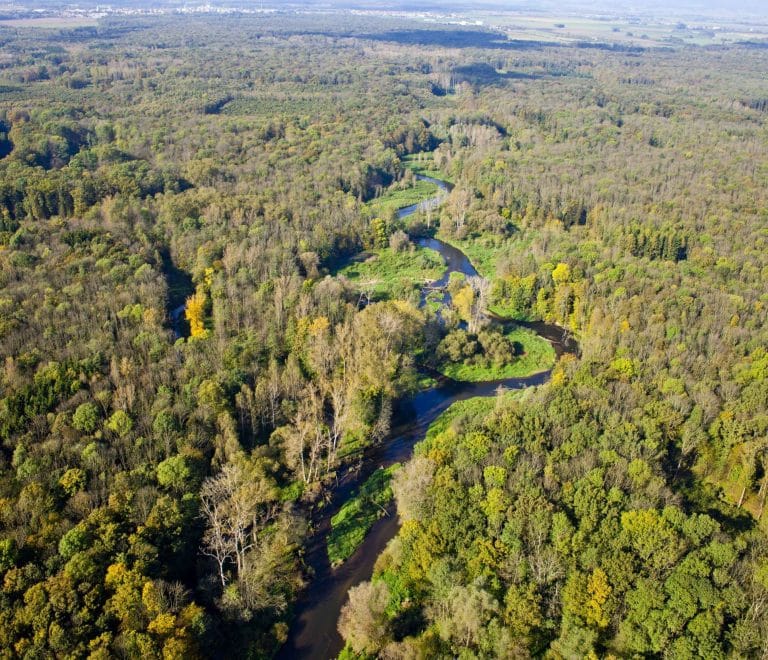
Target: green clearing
[350,525]
[389,274]
[508,312]
[424,164]
[536,355]
[394,199]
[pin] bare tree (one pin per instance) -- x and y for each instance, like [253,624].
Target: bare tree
[236,504]
[479,306]
[218,542]
[305,438]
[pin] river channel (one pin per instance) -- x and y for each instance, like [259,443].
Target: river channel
[313,633]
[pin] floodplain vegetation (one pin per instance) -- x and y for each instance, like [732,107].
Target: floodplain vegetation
[159,477]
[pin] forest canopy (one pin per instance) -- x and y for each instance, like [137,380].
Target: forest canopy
[190,365]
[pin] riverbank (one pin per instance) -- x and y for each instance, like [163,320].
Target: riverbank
[358,514]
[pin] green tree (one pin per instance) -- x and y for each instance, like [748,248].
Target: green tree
[86,417]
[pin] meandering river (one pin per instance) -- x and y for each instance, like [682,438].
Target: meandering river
[313,633]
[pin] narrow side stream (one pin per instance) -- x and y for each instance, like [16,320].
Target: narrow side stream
[180,287]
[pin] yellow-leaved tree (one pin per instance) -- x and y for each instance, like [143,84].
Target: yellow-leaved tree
[561,273]
[195,314]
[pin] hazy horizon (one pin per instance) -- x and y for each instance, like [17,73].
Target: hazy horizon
[659,8]
[655,7]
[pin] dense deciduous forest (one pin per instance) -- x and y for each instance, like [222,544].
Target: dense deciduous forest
[209,307]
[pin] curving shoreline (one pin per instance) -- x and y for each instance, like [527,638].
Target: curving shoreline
[313,632]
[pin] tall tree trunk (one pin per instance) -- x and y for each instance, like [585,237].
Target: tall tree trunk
[763,492]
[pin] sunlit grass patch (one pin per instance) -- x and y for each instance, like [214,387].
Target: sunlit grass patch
[350,525]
